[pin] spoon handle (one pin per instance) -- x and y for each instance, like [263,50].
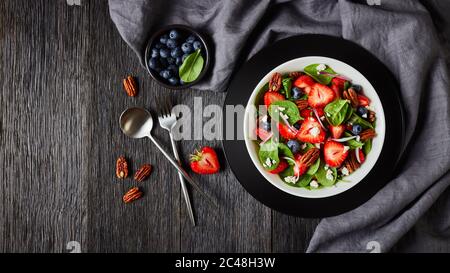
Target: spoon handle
[182,171]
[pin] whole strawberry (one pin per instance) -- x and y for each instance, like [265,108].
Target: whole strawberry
[205,161]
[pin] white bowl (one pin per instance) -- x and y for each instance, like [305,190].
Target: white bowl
[377,143]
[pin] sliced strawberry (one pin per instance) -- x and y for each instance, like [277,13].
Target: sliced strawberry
[305,113]
[205,161]
[337,131]
[304,82]
[348,127]
[262,134]
[281,167]
[320,112]
[271,97]
[334,153]
[311,131]
[363,100]
[337,85]
[285,131]
[362,158]
[320,96]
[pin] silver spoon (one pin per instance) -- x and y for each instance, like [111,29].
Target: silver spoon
[138,123]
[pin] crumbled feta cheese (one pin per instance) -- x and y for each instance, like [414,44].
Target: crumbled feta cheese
[346,148]
[350,123]
[273,161]
[365,115]
[314,184]
[315,131]
[326,167]
[290,179]
[303,146]
[344,171]
[358,138]
[321,67]
[329,175]
[322,118]
[268,162]
[317,145]
[328,115]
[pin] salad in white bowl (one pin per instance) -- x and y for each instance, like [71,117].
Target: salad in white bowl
[318,127]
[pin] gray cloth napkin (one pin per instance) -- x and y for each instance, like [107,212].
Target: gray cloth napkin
[401,33]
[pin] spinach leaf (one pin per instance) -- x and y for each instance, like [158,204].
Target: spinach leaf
[290,109]
[355,119]
[289,171]
[268,152]
[367,147]
[353,143]
[192,66]
[284,150]
[312,71]
[304,180]
[337,111]
[321,176]
[314,167]
[287,84]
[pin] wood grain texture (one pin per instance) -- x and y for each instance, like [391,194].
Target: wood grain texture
[61,96]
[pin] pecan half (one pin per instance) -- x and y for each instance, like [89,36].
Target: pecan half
[367,134]
[121,167]
[310,157]
[143,172]
[130,86]
[301,104]
[351,163]
[371,116]
[351,95]
[295,75]
[132,195]
[275,82]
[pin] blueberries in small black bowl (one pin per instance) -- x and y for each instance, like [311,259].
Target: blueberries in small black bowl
[175,47]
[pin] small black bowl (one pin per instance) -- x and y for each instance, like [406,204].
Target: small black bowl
[185,31]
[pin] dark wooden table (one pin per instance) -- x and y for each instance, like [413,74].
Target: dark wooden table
[61,96]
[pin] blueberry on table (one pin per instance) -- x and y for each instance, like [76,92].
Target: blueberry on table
[176,52]
[362,111]
[171,43]
[187,48]
[166,74]
[357,87]
[294,146]
[296,93]
[163,39]
[356,129]
[197,45]
[163,62]
[190,39]
[173,68]
[164,52]
[155,52]
[170,60]
[173,81]
[174,34]
[159,46]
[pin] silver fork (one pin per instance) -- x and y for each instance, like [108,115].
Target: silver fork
[167,120]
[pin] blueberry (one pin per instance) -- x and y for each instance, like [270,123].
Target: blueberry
[294,145]
[154,64]
[176,52]
[197,45]
[190,39]
[173,81]
[362,111]
[187,48]
[163,62]
[164,52]
[184,57]
[356,129]
[155,52]
[159,46]
[170,60]
[166,74]
[163,39]
[174,34]
[179,61]
[173,68]
[171,43]
[297,125]
[296,93]
[358,88]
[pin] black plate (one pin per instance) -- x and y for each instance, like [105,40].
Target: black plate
[379,76]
